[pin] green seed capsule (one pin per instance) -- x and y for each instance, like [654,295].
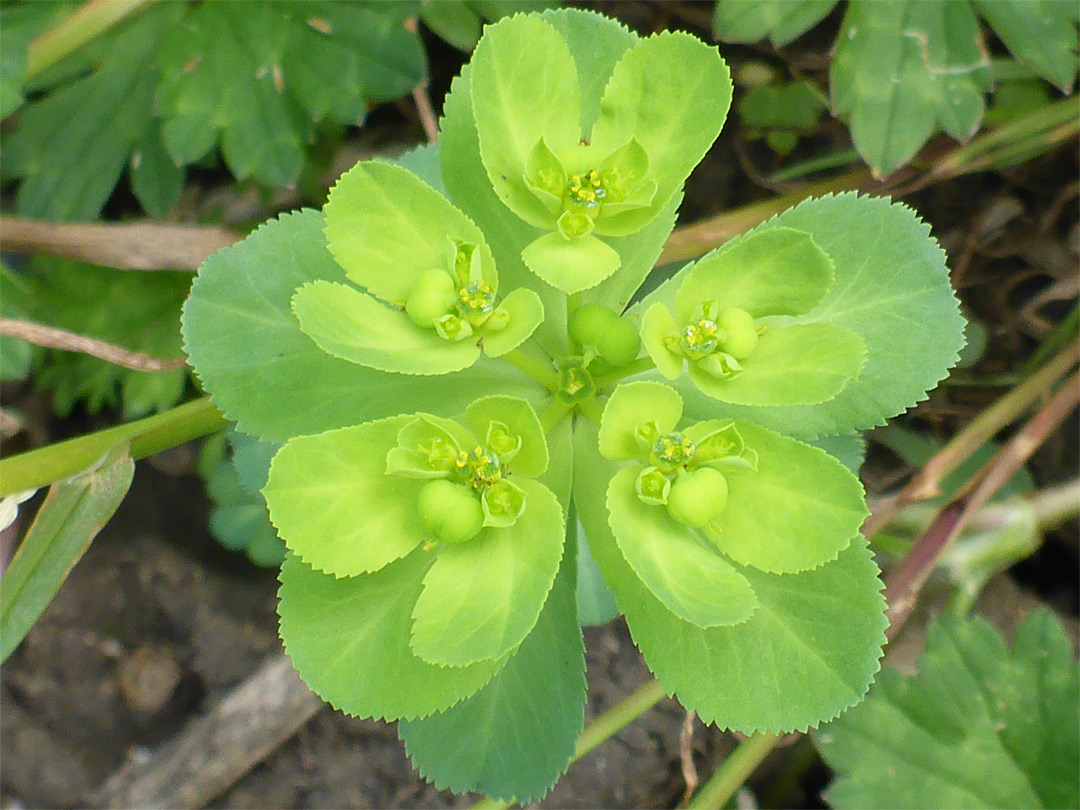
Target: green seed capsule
[620,343]
[742,336]
[697,497]
[452,512]
[589,323]
[432,295]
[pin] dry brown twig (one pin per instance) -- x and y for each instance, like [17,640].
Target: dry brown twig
[53,338]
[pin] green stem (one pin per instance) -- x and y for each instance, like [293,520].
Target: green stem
[148,436]
[601,728]
[74,31]
[540,371]
[1065,333]
[554,414]
[638,366]
[734,770]
[591,409]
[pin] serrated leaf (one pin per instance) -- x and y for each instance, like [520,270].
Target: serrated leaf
[252,458]
[72,144]
[778,271]
[71,515]
[386,227]
[524,88]
[892,288]
[282,384]
[595,601]
[349,640]
[780,20]
[514,737]
[356,327]
[802,364]
[653,96]
[902,67]
[483,596]
[334,504]
[976,727]
[797,510]
[255,78]
[808,652]
[138,311]
[688,578]
[1040,33]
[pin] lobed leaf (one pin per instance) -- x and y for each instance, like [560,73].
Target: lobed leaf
[976,727]
[901,68]
[782,21]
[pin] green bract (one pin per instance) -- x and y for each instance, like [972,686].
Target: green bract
[612,178]
[706,493]
[433,302]
[728,325]
[352,501]
[437,526]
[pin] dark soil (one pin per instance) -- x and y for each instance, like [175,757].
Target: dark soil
[157,622]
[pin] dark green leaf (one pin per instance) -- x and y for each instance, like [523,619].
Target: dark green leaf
[977,727]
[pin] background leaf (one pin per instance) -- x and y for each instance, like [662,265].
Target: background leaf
[902,67]
[1040,33]
[976,727]
[514,737]
[71,515]
[139,311]
[780,20]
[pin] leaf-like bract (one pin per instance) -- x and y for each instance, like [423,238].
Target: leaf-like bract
[808,652]
[334,504]
[349,640]
[892,288]
[976,727]
[514,737]
[482,597]
[280,383]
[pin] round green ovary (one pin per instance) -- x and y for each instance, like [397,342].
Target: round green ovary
[615,340]
[432,295]
[451,512]
[740,334]
[697,497]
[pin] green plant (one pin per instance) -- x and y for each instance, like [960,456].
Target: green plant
[449,355]
[902,70]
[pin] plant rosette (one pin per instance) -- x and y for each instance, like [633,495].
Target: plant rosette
[696,497]
[608,179]
[451,512]
[731,324]
[433,304]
